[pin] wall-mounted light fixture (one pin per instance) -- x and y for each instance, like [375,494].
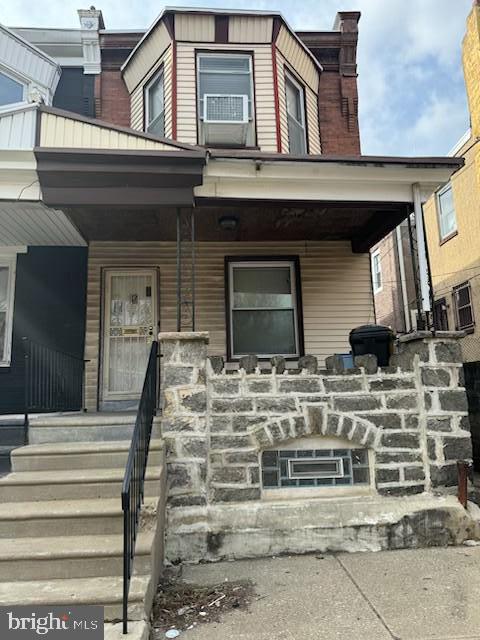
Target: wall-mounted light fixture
[228,223]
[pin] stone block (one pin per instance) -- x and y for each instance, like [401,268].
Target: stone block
[334,364]
[386,475]
[357,403]
[398,440]
[391,384]
[174,376]
[262,436]
[194,447]
[427,399]
[370,439]
[331,428]
[242,457]
[248,363]
[186,501]
[457,448]
[276,432]
[453,400]
[220,424]
[240,494]
[368,362]
[343,385]
[299,385]
[217,363]
[178,475]
[225,386]
[192,352]
[439,423]
[230,442]
[246,423]
[299,426]
[194,402]
[358,435]
[254,475]
[260,386]
[435,377]
[308,363]
[316,416]
[232,405]
[276,405]
[216,459]
[444,475]
[178,424]
[401,490]
[464,424]
[432,448]
[229,475]
[414,473]
[404,401]
[279,363]
[384,420]
[410,421]
[387,457]
[448,352]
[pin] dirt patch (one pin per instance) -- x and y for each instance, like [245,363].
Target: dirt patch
[181,606]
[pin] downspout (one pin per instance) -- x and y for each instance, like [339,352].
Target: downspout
[421,249]
[403,280]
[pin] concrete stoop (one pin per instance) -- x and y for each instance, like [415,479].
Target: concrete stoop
[373,523]
[61,528]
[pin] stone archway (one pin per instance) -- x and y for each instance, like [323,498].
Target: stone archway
[318,420]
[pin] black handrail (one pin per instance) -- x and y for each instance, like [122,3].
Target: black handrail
[134,478]
[53,380]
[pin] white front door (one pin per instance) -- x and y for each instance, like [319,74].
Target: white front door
[130,324]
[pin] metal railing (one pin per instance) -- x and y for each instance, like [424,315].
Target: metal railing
[134,478]
[53,380]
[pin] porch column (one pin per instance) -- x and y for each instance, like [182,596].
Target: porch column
[185,270]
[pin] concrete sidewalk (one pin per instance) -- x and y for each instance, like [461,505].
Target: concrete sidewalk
[429,594]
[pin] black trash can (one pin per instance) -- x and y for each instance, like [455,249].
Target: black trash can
[372,338]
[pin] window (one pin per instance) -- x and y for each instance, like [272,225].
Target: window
[7,283]
[155,105]
[446,212]
[297,140]
[440,315]
[376,272]
[314,468]
[11,91]
[263,308]
[462,299]
[225,99]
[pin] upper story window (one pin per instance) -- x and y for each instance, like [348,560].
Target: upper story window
[295,95]
[462,298]
[446,212]
[225,100]
[155,105]
[11,91]
[376,272]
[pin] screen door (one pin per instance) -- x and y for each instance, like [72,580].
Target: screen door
[130,326]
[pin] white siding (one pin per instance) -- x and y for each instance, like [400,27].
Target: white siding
[336,291]
[17,129]
[24,223]
[195,27]
[298,58]
[250,29]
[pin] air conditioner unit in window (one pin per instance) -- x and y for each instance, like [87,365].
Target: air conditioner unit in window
[225,119]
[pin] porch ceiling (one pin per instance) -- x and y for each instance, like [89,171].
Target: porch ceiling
[361,223]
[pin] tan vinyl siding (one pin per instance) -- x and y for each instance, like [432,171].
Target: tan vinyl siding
[195,27]
[264,99]
[250,29]
[336,291]
[137,97]
[298,58]
[146,56]
[57,131]
[311,109]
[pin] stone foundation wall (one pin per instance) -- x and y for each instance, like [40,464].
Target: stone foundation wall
[412,415]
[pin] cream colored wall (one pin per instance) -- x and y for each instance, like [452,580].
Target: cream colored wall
[336,291]
[458,259]
[146,56]
[59,131]
[136,99]
[195,26]
[250,29]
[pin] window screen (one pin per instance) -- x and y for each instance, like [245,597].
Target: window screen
[462,297]
[296,116]
[447,218]
[224,75]
[156,106]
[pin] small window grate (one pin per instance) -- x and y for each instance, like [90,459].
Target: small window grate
[225,108]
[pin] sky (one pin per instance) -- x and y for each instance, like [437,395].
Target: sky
[411,91]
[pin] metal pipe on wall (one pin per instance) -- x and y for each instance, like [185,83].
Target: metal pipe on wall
[179,272]
[403,279]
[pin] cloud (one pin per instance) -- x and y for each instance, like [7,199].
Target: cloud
[411,91]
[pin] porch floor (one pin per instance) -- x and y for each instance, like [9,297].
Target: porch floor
[413,595]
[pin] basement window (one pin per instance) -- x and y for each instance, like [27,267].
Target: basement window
[315,468]
[155,105]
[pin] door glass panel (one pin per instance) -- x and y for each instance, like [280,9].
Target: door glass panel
[131,320]
[3,308]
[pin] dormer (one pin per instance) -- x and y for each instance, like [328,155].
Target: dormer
[26,73]
[227,79]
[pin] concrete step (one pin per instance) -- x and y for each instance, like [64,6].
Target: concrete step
[81,455]
[70,557]
[63,517]
[11,435]
[105,591]
[29,486]
[81,427]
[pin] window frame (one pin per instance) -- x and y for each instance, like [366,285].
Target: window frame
[19,80]
[376,254]
[439,194]
[160,72]
[9,261]
[456,289]
[440,314]
[295,278]
[289,77]
[252,103]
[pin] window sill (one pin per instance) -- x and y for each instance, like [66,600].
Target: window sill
[449,237]
[468,330]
